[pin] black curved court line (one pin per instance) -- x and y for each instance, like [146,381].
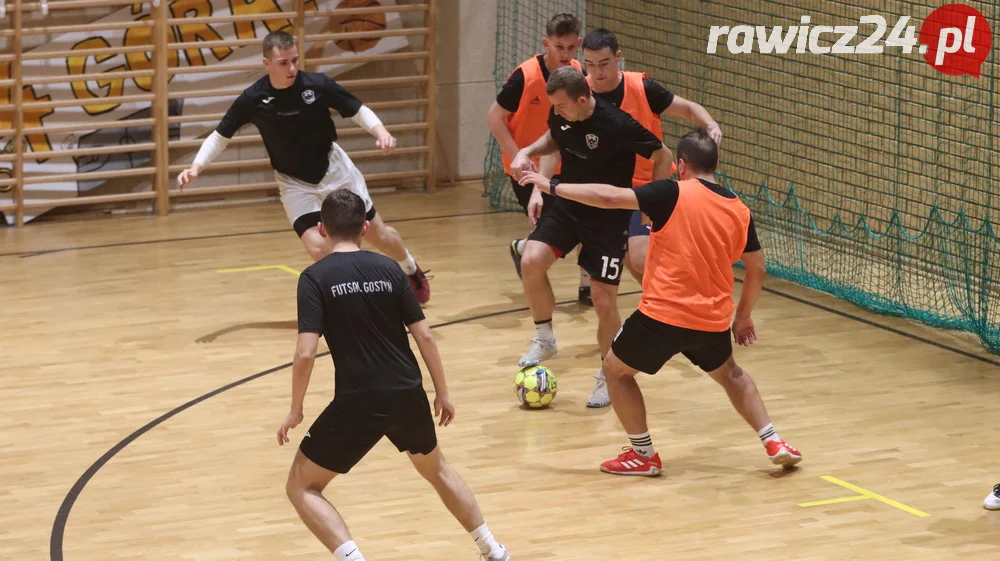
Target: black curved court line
[26,254]
[62,516]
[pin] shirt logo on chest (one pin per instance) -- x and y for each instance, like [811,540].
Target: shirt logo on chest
[309,96]
[592,141]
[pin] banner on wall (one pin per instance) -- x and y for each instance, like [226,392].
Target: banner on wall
[39,146]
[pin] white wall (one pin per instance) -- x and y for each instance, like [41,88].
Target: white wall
[465,52]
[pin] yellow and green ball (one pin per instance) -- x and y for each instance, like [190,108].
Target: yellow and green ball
[535,386]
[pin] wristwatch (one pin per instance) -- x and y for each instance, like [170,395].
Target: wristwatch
[552,186]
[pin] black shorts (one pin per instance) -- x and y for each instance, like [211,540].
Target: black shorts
[306,221]
[523,194]
[636,227]
[352,425]
[603,248]
[646,345]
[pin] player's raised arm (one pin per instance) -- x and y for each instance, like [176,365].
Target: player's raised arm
[696,114]
[366,119]
[348,105]
[640,140]
[239,114]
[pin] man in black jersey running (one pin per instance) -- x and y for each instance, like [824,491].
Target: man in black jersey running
[362,304]
[291,109]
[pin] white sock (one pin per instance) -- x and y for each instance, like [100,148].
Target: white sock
[520,246]
[348,552]
[768,433]
[643,444]
[408,265]
[488,545]
[543,331]
[584,278]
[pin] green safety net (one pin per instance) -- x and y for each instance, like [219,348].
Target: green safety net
[870,176]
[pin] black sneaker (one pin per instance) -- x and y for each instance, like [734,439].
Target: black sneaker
[583,296]
[516,257]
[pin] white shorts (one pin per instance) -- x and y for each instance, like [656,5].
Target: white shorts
[302,199]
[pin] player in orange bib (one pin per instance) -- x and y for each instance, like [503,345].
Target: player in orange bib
[699,230]
[519,116]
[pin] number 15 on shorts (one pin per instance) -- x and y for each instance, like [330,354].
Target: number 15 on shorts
[613,264]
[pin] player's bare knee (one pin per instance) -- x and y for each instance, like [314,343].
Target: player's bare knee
[533,264]
[295,485]
[732,376]
[430,466]
[615,369]
[299,482]
[385,234]
[605,298]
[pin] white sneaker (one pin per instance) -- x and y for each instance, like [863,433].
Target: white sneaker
[992,501]
[540,350]
[599,397]
[502,557]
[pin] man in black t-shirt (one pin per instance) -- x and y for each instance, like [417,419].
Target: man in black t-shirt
[362,304]
[604,60]
[597,143]
[291,109]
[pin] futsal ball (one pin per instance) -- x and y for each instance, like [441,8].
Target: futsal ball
[358,22]
[535,386]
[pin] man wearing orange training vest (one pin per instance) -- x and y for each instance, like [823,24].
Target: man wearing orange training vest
[645,100]
[520,114]
[699,230]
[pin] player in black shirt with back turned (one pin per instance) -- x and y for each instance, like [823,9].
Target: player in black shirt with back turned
[362,303]
[291,109]
[597,142]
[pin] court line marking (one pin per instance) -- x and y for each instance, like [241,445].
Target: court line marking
[836,501]
[863,494]
[62,515]
[26,254]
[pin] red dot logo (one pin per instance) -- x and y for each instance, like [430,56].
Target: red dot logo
[957,40]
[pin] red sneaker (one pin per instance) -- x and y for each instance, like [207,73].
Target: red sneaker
[420,286]
[630,462]
[781,453]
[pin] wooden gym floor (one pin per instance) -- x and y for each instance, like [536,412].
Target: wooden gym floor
[143,385]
